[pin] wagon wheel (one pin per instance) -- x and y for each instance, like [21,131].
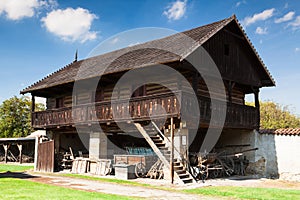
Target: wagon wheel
[229,166]
[140,170]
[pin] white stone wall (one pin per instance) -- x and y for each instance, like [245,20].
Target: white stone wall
[288,156]
[265,162]
[281,154]
[277,155]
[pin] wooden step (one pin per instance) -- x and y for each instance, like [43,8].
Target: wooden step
[183,176]
[178,167]
[155,137]
[157,140]
[160,144]
[182,171]
[153,134]
[163,148]
[187,180]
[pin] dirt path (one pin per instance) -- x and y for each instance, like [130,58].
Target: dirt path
[112,188]
[148,193]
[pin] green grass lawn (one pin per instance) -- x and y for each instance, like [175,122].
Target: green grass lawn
[20,188]
[14,168]
[12,188]
[247,192]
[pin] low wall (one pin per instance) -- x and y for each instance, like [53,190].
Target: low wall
[281,154]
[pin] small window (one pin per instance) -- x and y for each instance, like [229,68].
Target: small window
[226,49]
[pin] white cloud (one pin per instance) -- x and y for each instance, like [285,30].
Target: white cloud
[295,23]
[287,17]
[19,9]
[240,3]
[176,10]
[297,49]
[115,40]
[70,24]
[266,14]
[261,31]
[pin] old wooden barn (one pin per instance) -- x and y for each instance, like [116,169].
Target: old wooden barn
[86,108]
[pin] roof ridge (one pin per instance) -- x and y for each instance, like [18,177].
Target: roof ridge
[199,34]
[117,50]
[208,35]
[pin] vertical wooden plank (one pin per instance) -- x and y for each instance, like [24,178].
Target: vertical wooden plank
[256,97]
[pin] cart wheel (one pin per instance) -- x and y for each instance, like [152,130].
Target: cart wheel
[229,167]
[140,170]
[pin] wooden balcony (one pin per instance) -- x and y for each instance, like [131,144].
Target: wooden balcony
[176,104]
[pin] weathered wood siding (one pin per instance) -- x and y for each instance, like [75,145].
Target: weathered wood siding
[45,158]
[172,83]
[236,63]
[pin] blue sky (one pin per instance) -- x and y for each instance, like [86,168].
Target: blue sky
[40,36]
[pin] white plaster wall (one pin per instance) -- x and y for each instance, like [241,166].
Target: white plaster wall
[266,154]
[288,156]
[281,154]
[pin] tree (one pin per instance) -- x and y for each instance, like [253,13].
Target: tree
[15,117]
[274,116]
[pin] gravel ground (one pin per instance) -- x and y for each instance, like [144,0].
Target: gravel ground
[148,193]
[112,188]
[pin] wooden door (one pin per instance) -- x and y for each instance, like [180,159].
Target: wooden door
[45,158]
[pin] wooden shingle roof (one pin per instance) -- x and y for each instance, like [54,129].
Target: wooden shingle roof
[281,131]
[138,56]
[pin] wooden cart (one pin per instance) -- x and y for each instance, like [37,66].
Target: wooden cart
[142,162]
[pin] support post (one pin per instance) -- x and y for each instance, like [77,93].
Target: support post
[32,103]
[20,146]
[256,97]
[229,88]
[37,140]
[172,151]
[6,147]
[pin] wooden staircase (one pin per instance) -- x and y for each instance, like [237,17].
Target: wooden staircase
[158,143]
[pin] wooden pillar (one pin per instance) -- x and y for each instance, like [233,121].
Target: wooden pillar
[6,147]
[172,151]
[256,97]
[32,103]
[20,146]
[37,140]
[229,88]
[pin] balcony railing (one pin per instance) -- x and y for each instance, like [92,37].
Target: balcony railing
[142,108]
